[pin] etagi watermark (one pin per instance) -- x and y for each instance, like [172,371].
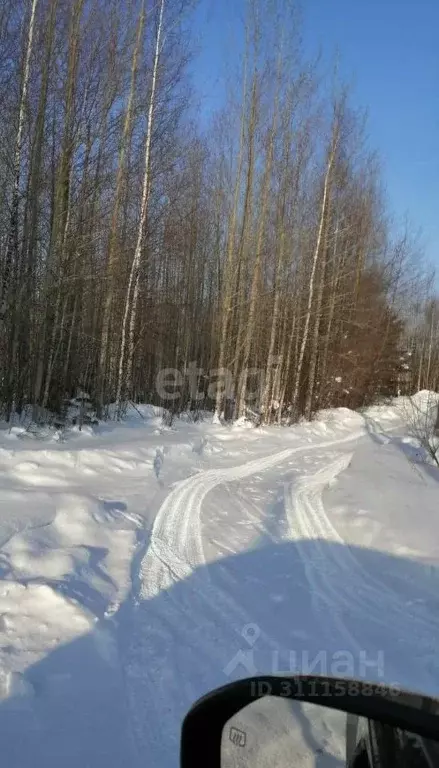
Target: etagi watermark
[340,663]
[201,385]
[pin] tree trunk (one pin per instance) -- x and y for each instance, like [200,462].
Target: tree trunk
[317,323]
[227,282]
[315,260]
[130,311]
[249,329]
[11,256]
[113,236]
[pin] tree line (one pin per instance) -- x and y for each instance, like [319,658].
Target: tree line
[133,240]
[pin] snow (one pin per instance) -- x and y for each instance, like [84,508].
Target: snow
[142,565]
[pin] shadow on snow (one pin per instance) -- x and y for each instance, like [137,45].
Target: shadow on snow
[139,671]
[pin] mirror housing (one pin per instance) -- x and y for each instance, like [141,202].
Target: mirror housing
[203,725]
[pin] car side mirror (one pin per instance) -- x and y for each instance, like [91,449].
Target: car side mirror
[246,722]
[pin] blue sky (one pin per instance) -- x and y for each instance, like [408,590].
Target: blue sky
[389,52]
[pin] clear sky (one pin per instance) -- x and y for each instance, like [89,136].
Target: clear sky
[389,52]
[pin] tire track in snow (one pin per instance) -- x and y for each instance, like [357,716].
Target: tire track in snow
[318,569]
[176,547]
[166,638]
[340,581]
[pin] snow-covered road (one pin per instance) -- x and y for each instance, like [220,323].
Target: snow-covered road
[234,552]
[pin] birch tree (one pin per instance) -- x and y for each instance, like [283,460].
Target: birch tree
[11,256]
[330,159]
[113,239]
[132,295]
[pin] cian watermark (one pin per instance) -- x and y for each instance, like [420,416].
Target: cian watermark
[250,661]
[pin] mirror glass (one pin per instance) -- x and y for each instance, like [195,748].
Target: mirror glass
[273,732]
[281,733]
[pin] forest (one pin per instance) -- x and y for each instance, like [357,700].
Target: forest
[143,243]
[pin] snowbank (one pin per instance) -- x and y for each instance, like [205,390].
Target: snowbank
[79,519]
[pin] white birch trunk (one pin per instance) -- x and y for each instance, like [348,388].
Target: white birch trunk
[115,216]
[12,241]
[313,274]
[130,311]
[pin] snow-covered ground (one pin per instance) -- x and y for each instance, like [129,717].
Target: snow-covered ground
[142,566]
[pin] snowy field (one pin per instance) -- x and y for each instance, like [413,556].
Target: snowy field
[143,565]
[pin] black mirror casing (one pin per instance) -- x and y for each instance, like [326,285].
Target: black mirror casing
[203,725]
